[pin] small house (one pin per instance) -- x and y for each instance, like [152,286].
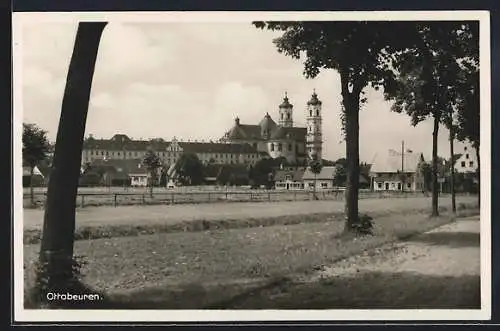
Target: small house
[289,179]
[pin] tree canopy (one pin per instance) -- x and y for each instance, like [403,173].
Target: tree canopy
[190,169]
[36,145]
[362,53]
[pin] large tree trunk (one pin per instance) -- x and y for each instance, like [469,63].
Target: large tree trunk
[452,172]
[351,105]
[56,251]
[435,188]
[32,193]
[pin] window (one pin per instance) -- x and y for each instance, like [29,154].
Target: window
[463,164]
[118,153]
[380,185]
[310,112]
[102,152]
[289,147]
[471,164]
[280,147]
[408,185]
[272,147]
[311,185]
[91,152]
[287,116]
[399,186]
[466,156]
[317,112]
[324,185]
[281,115]
[254,145]
[288,177]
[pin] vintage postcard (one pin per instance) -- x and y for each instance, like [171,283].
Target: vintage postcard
[252,166]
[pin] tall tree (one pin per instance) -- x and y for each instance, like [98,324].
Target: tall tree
[426,84]
[152,162]
[56,252]
[35,150]
[360,52]
[190,169]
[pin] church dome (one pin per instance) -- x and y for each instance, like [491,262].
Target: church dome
[314,100]
[286,103]
[267,123]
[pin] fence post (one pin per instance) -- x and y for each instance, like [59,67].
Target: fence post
[83,201]
[114,203]
[172,198]
[268,196]
[143,199]
[209,199]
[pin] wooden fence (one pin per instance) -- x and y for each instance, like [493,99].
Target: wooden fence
[170,198]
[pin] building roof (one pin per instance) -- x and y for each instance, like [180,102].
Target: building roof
[326,173]
[245,131]
[296,174]
[390,162]
[126,166]
[286,103]
[122,142]
[267,124]
[233,148]
[289,133]
[36,171]
[314,100]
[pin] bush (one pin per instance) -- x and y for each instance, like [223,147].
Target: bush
[364,226]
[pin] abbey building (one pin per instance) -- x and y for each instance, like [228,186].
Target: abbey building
[283,139]
[242,144]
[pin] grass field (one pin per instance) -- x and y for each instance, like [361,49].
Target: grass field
[202,269]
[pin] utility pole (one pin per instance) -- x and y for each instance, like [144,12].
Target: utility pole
[402,165]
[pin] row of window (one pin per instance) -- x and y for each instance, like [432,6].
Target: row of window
[471,163]
[392,186]
[311,112]
[163,154]
[280,147]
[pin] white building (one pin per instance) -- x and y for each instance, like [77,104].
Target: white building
[392,171]
[467,161]
[289,179]
[324,180]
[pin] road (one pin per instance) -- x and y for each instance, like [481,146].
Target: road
[438,269]
[33,218]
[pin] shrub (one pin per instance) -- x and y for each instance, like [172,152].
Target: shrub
[364,226]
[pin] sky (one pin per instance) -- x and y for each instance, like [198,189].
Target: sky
[190,80]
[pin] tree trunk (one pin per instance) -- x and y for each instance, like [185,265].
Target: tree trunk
[452,173]
[151,186]
[435,188]
[56,251]
[351,105]
[314,188]
[32,193]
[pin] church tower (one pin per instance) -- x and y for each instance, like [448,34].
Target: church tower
[285,113]
[314,138]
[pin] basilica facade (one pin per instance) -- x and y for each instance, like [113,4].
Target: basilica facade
[283,139]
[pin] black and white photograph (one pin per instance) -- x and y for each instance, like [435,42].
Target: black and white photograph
[252,166]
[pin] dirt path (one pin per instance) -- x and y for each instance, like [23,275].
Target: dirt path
[438,269]
[176,213]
